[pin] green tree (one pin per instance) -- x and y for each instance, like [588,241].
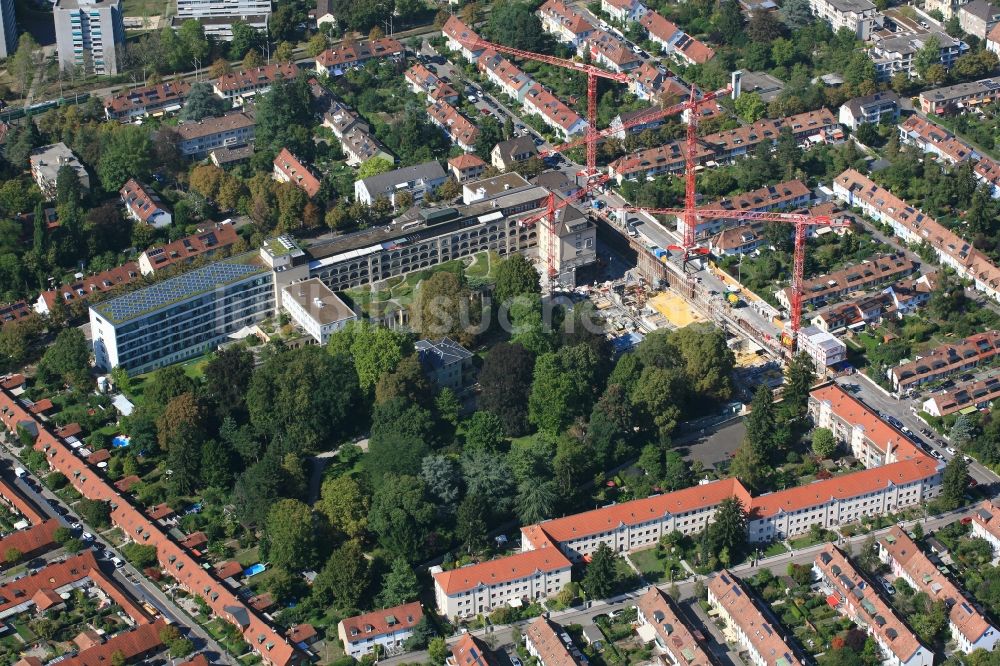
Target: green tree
[373,167]
[513,23]
[927,56]
[402,517]
[963,430]
[750,107]
[536,500]
[515,276]
[761,423]
[563,387]
[245,38]
[729,22]
[66,360]
[401,436]
[954,482]
[729,529]
[344,578]
[602,575]
[442,308]
[437,650]
[490,134]
[442,477]
[291,535]
[346,503]
[399,584]
[749,467]
[96,513]
[470,523]
[484,430]
[407,381]
[202,102]
[373,349]
[823,442]
[799,378]
[125,154]
[284,117]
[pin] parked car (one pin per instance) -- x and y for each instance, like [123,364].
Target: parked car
[889,589]
[937,454]
[951,450]
[514,661]
[87,536]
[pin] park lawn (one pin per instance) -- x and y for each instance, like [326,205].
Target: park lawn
[650,563]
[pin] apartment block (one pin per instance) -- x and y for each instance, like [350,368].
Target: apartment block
[243,84]
[948,359]
[864,276]
[553,111]
[751,622]
[970,395]
[316,309]
[874,109]
[986,524]
[913,226]
[83,286]
[858,600]
[387,628]
[45,164]
[89,35]
[978,18]
[786,195]
[355,135]
[418,180]
[970,630]
[8,28]
[217,16]
[896,54]
[961,97]
[573,246]
[658,620]
[462,38]
[289,169]
[859,16]
[823,348]
[446,363]
[897,300]
[183,316]
[459,129]
[198,138]
[204,243]
[156,100]
[480,588]
[347,56]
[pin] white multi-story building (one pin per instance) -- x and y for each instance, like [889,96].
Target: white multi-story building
[218,16]
[198,138]
[896,54]
[418,180]
[870,109]
[479,588]
[387,628]
[183,316]
[823,348]
[969,628]
[317,309]
[755,632]
[45,163]
[89,34]
[859,16]
[986,524]
[8,28]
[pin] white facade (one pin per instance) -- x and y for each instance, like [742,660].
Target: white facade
[482,598]
[89,34]
[315,308]
[8,26]
[859,16]
[823,348]
[217,16]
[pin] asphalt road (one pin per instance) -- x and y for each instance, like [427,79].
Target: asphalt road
[504,637]
[126,576]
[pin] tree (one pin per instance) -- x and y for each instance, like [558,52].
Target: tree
[245,39]
[750,107]
[963,431]
[399,584]
[201,102]
[184,457]
[227,379]
[407,381]
[484,430]
[67,359]
[489,474]
[291,535]
[749,467]
[438,651]
[345,502]
[401,517]
[305,398]
[12,555]
[126,154]
[373,349]
[442,308]
[284,117]
[796,13]
[470,523]
[442,477]
[513,23]
[373,167]
[823,442]
[602,576]
[729,529]
[536,500]
[676,472]
[729,22]
[490,134]
[764,27]
[761,423]
[928,55]
[96,513]
[401,436]
[345,577]
[954,482]
[515,276]
[563,387]
[316,45]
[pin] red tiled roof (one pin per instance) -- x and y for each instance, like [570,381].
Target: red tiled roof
[160,511]
[927,132]
[459,32]
[255,77]
[197,660]
[35,539]
[12,381]
[141,200]
[949,357]
[360,52]
[127,483]
[87,638]
[261,602]
[566,16]
[544,637]
[297,173]
[10,493]
[369,625]
[132,643]
[658,611]
[15,311]
[732,595]
[142,99]
[195,540]
[99,456]
[45,599]
[513,567]
[552,107]
[301,632]
[205,241]
[458,127]
[42,406]
[99,283]
[466,161]
[68,430]
[470,651]
[987,516]
[695,51]
[229,569]
[658,26]
[611,48]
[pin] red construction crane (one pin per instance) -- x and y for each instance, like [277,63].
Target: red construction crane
[647,116]
[801,222]
[593,73]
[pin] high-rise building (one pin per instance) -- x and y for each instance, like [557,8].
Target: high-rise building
[89,34]
[8,26]
[217,16]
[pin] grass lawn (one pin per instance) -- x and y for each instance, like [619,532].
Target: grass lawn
[653,565]
[247,556]
[145,7]
[24,632]
[776,548]
[806,541]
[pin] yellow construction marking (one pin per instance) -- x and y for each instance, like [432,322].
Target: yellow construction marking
[675,309]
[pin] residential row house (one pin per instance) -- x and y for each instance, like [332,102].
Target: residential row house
[425,82]
[948,148]
[859,601]
[657,613]
[266,641]
[623,11]
[565,23]
[913,226]
[986,525]
[786,195]
[205,242]
[243,84]
[947,359]
[144,205]
[978,18]
[155,100]
[459,129]
[897,300]
[756,631]
[973,395]
[861,277]
[550,645]
[609,52]
[969,629]
[289,169]
[466,168]
[352,55]
[196,139]
[83,286]
[553,111]
[462,38]
[505,75]
[388,629]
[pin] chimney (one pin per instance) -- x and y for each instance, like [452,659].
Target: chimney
[737,83]
[506,186]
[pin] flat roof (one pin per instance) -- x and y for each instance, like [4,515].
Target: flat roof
[319,302]
[199,281]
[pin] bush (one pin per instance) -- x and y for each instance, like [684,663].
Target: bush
[141,556]
[95,513]
[56,480]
